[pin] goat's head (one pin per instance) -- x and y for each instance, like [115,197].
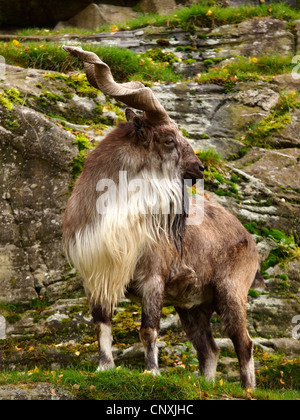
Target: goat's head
[165,148]
[157,139]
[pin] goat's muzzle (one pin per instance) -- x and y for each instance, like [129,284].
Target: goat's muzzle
[194,172]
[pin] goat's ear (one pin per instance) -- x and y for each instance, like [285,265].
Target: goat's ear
[130,114]
[140,129]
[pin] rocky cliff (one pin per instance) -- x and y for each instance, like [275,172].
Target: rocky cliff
[49,120]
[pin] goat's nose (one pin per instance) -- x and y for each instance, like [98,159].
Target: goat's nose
[201,167]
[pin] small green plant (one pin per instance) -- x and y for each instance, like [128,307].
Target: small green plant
[14,95]
[253,293]
[285,250]
[284,285]
[159,56]
[5,102]
[83,144]
[279,117]
[211,160]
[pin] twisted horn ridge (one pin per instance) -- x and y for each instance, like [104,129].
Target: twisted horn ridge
[133,94]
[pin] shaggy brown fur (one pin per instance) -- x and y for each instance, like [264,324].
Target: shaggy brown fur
[156,259]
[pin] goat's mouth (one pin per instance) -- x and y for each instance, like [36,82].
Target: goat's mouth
[194,176]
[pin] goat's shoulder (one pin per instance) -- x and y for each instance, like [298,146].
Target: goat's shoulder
[217,227]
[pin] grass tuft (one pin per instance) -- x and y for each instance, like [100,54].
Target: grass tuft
[125,64]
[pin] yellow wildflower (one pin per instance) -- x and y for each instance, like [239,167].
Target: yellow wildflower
[210,12]
[16,43]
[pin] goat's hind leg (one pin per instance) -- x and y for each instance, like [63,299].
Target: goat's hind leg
[103,322]
[196,324]
[233,312]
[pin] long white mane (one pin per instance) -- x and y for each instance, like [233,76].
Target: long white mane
[131,217]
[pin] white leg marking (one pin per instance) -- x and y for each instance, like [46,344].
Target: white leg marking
[105,341]
[211,366]
[249,373]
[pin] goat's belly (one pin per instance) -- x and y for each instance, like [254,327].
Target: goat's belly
[182,294]
[188,295]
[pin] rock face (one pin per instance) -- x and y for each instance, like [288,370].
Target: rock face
[253,38]
[35,179]
[37,155]
[157,6]
[95,15]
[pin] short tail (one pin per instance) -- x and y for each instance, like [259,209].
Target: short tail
[258,282]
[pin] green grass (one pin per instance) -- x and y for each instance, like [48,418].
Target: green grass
[125,64]
[277,371]
[279,117]
[152,66]
[202,14]
[245,69]
[212,162]
[285,250]
[131,384]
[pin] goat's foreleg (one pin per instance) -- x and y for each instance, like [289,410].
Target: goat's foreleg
[152,302]
[103,321]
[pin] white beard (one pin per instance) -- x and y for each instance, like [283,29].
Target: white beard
[107,251]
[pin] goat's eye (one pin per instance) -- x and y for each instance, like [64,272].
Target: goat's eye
[169,142]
